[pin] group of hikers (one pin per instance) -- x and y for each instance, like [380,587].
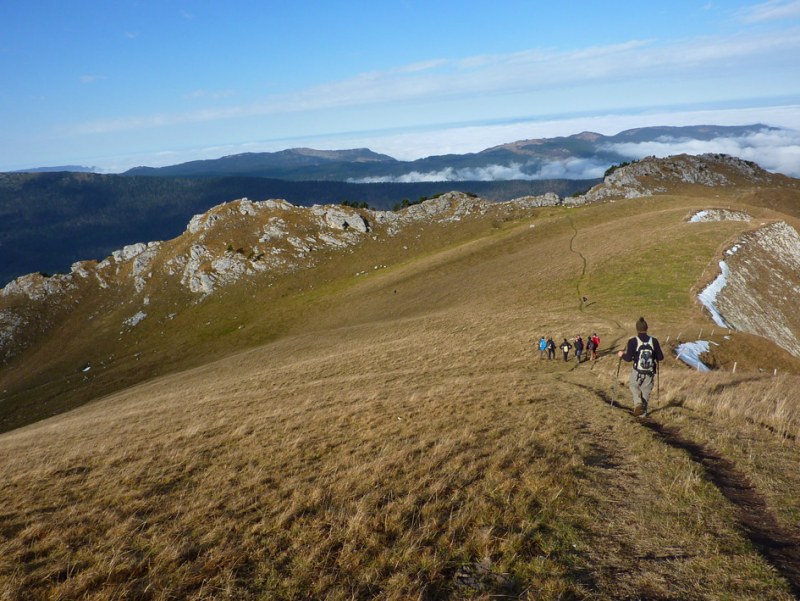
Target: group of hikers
[548,346]
[642,351]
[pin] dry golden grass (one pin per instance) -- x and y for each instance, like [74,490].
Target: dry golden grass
[752,419]
[401,440]
[769,401]
[362,464]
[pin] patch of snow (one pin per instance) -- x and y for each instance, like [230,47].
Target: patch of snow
[700,216]
[708,297]
[707,215]
[689,353]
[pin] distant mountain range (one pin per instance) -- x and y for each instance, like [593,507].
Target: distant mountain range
[48,220]
[580,156]
[58,169]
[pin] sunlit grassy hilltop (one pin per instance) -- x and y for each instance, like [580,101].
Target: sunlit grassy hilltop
[377,424]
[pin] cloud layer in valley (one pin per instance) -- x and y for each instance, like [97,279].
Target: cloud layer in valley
[776,150]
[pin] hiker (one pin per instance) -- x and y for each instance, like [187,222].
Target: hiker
[578,348]
[565,346]
[542,347]
[591,348]
[551,348]
[596,341]
[645,353]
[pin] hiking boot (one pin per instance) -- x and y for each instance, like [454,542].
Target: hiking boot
[637,411]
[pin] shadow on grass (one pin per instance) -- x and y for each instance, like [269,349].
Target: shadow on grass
[781,548]
[778,546]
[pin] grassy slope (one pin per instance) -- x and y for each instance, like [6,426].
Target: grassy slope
[398,430]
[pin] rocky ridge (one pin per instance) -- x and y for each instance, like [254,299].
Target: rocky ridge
[759,284]
[230,242]
[242,239]
[652,175]
[270,236]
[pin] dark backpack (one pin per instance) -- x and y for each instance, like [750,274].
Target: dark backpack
[644,360]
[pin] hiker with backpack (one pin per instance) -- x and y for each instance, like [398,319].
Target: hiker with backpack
[551,349]
[542,347]
[565,346]
[591,348]
[596,343]
[578,348]
[644,352]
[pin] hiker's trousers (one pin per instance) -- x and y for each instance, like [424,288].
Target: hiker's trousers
[641,386]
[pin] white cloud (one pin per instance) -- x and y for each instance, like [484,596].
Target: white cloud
[777,151]
[410,145]
[422,66]
[514,73]
[573,168]
[480,174]
[770,11]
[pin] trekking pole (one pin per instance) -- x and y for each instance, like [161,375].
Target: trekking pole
[614,383]
[658,384]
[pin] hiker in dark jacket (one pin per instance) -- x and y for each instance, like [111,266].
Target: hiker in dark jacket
[645,353]
[578,348]
[596,343]
[565,346]
[551,349]
[591,349]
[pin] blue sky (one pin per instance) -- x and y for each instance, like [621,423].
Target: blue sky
[119,83]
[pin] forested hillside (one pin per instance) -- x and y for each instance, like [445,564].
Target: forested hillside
[50,220]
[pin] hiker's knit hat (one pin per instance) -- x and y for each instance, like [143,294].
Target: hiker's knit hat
[641,326]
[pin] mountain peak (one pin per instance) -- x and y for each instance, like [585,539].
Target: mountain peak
[350,154]
[588,136]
